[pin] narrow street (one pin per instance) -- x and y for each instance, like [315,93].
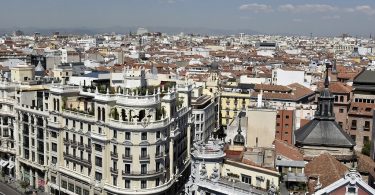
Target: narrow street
[6,190]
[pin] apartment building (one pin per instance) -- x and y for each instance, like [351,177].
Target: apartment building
[204,110]
[84,141]
[285,125]
[361,109]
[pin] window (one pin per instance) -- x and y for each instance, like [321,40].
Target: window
[278,124]
[66,122]
[127,135]
[246,179]
[53,179]
[367,126]
[100,130]
[355,108]
[127,168]
[127,152]
[54,134]
[114,149]
[144,136]
[64,184]
[143,168]
[127,183]
[74,123]
[157,134]
[354,124]
[340,124]
[71,187]
[278,116]
[88,127]
[115,180]
[114,134]
[143,184]
[78,190]
[286,125]
[80,125]
[54,147]
[157,182]
[143,152]
[98,176]
[98,147]
[341,110]
[86,192]
[98,161]
[341,98]
[287,116]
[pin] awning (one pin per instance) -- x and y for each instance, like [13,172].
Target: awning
[11,165]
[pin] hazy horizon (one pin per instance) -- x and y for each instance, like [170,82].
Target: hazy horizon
[265,17]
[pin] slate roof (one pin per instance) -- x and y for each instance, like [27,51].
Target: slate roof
[365,77]
[323,133]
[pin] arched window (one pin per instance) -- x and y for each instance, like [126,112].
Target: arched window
[54,104]
[341,98]
[99,113]
[103,114]
[58,105]
[141,115]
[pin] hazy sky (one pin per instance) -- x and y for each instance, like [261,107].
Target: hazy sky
[266,16]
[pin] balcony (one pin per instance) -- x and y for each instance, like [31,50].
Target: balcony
[77,160]
[88,148]
[74,144]
[81,146]
[114,155]
[144,157]
[138,124]
[159,155]
[66,142]
[150,173]
[114,171]
[127,158]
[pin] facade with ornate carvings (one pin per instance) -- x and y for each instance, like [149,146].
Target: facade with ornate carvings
[78,140]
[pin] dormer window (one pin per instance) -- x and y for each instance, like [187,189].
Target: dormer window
[351,190]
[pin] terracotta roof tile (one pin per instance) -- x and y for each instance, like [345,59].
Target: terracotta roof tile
[327,168]
[289,151]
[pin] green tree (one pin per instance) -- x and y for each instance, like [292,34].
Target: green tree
[24,184]
[366,148]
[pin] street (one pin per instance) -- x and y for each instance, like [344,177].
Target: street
[6,190]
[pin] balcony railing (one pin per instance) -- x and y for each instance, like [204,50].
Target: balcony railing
[159,155]
[127,157]
[114,170]
[73,143]
[144,157]
[114,155]
[88,148]
[143,173]
[66,141]
[81,146]
[77,160]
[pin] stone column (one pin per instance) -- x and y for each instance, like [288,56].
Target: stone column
[171,153]
[188,141]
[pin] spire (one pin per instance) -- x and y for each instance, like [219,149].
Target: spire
[326,81]
[239,139]
[325,100]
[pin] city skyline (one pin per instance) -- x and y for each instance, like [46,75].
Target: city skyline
[191,16]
